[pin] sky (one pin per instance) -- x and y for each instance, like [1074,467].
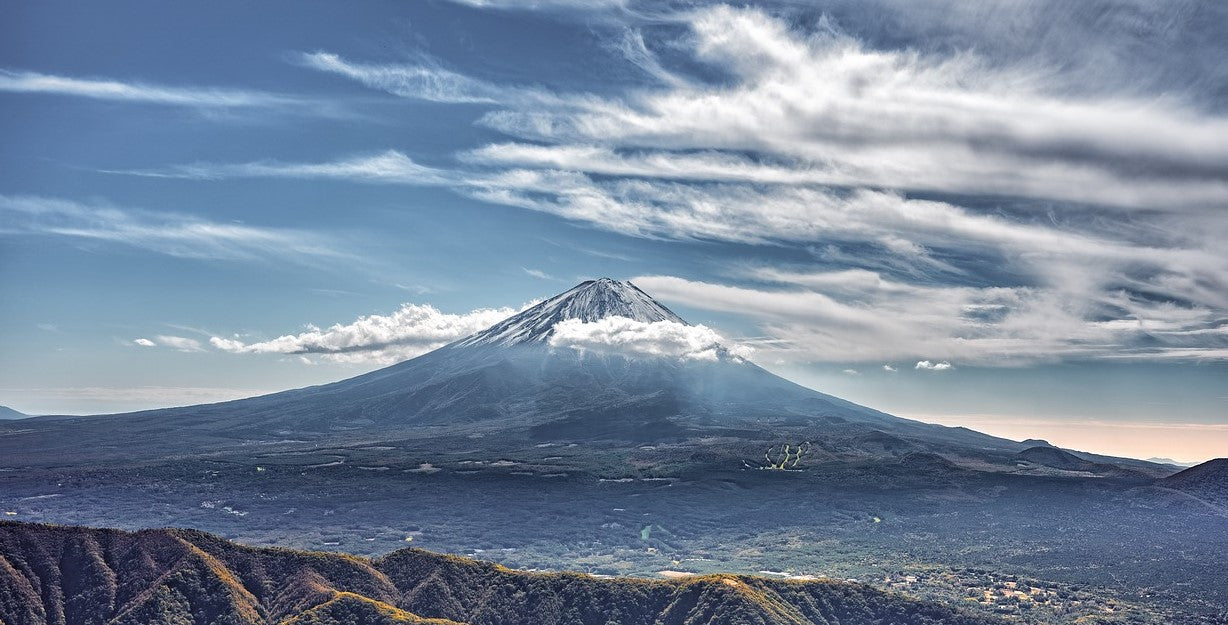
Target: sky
[1007,215]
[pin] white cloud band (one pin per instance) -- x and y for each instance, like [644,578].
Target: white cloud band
[620,335]
[410,331]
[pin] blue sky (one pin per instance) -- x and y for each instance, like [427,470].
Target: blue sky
[1004,214]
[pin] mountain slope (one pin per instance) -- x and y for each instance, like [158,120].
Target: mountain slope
[1056,458]
[81,576]
[9,413]
[1207,481]
[507,378]
[508,384]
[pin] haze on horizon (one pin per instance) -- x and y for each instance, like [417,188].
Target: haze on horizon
[1007,215]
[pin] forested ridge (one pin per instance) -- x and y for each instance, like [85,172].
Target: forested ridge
[81,576]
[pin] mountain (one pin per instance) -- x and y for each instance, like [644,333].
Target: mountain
[1055,458]
[1175,463]
[507,378]
[1049,459]
[513,386]
[9,413]
[592,300]
[1207,481]
[81,576]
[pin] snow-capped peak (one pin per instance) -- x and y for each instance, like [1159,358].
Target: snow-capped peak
[588,301]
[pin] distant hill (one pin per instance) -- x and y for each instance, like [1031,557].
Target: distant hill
[81,576]
[1036,442]
[1175,463]
[1056,458]
[9,413]
[1207,481]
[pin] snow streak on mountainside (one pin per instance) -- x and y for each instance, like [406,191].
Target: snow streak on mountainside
[589,301]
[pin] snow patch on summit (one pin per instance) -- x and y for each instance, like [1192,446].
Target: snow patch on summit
[587,302]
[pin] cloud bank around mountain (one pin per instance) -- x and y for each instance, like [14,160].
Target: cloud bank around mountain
[410,331]
[623,336]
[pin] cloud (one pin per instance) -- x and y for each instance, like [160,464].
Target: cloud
[926,365]
[411,81]
[911,235]
[963,191]
[172,234]
[180,343]
[107,89]
[851,372]
[410,331]
[389,167]
[537,273]
[828,108]
[620,335]
[861,316]
[544,5]
[889,369]
[144,342]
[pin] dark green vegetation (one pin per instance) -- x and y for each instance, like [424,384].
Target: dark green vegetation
[80,576]
[503,447]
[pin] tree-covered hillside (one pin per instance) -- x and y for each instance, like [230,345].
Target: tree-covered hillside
[81,576]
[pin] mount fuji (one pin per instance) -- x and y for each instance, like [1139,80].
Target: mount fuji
[587,364]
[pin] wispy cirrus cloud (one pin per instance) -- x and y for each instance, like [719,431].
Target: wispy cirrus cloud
[427,80]
[408,80]
[535,5]
[834,111]
[169,233]
[389,167]
[538,273]
[864,317]
[958,206]
[111,89]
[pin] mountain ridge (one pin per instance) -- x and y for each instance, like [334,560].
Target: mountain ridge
[82,576]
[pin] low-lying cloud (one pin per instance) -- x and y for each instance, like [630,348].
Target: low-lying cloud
[628,337]
[410,331]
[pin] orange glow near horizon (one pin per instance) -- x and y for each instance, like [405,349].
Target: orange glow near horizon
[1183,442]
